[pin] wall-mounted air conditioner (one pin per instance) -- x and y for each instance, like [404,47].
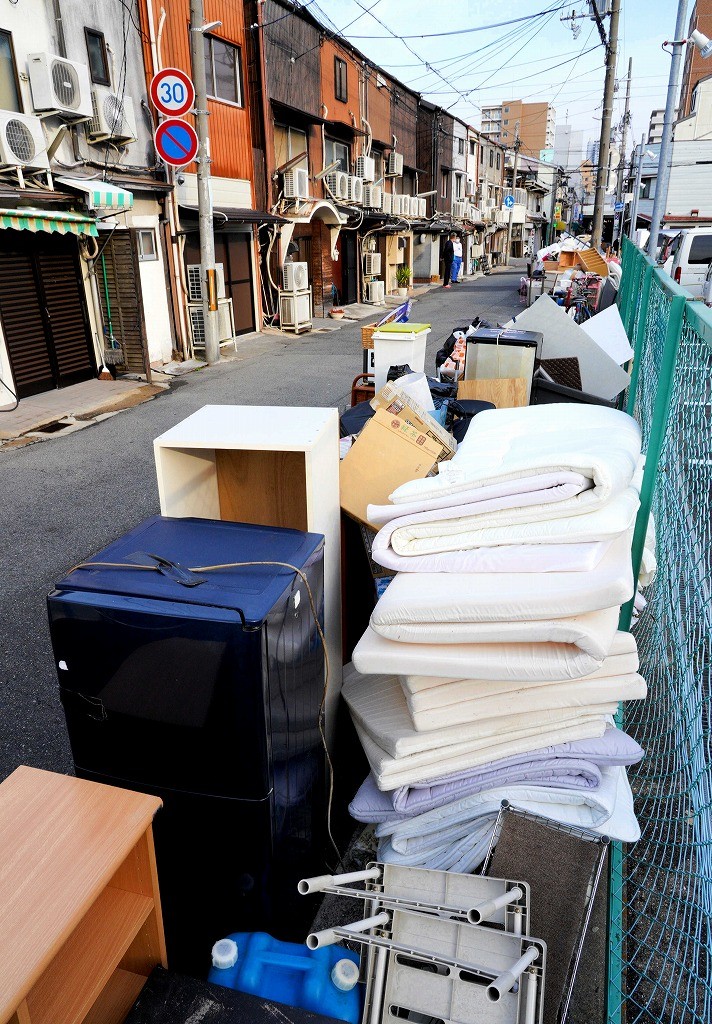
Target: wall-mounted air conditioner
[112,118]
[372,264]
[354,189]
[59,84]
[373,197]
[394,168]
[375,292]
[22,141]
[387,200]
[295,277]
[459,209]
[366,168]
[195,281]
[296,183]
[226,323]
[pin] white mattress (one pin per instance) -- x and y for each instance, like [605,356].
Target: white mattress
[521,661]
[600,444]
[503,558]
[462,607]
[378,705]
[428,765]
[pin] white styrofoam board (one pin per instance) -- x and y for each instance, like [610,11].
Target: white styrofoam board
[600,375]
[607,330]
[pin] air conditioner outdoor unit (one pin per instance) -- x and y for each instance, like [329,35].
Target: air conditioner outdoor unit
[22,141]
[342,184]
[354,192]
[366,168]
[395,165]
[387,206]
[375,291]
[459,210]
[296,183]
[471,187]
[397,203]
[295,277]
[295,311]
[414,206]
[195,281]
[422,208]
[372,264]
[113,117]
[373,197]
[59,84]
[226,325]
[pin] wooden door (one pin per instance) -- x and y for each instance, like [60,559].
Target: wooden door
[238,282]
[117,276]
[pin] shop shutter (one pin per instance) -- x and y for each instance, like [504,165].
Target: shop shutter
[62,290]
[23,325]
[124,310]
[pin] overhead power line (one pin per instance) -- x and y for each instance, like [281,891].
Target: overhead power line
[477,28]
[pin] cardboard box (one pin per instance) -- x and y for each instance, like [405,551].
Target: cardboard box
[388,452]
[397,402]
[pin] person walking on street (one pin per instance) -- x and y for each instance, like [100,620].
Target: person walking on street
[456,259]
[448,256]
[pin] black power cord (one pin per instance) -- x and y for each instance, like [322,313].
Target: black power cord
[17,400]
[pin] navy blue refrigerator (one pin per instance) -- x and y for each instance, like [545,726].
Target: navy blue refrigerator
[204,688]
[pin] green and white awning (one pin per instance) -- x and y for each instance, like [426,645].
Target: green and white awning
[100,195]
[48,220]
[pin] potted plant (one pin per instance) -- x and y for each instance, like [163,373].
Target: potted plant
[403,279]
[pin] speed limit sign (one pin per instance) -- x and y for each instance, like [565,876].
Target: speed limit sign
[172,92]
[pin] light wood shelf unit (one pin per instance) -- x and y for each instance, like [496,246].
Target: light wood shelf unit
[269,465]
[81,928]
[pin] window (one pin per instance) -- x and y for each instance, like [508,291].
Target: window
[336,152]
[700,249]
[499,156]
[457,193]
[473,147]
[9,88]
[506,121]
[290,143]
[491,158]
[340,89]
[461,147]
[147,249]
[445,183]
[506,110]
[222,70]
[378,161]
[505,135]
[98,61]
[482,154]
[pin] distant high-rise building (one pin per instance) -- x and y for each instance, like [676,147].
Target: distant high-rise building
[568,147]
[655,128]
[537,123]
[695,66]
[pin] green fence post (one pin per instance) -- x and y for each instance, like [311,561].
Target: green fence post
[639,337]
[614,964]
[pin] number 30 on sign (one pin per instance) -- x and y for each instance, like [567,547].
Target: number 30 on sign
[172,92]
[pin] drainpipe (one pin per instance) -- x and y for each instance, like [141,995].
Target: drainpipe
[61,43]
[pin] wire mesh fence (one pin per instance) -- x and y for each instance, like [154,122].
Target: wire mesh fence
[661,888]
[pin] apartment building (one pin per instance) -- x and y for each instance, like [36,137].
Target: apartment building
[534,123]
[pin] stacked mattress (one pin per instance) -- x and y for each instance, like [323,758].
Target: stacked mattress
[492,666]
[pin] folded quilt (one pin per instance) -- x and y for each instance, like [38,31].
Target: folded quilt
[454,607]
[601,445]
[447,834]
[379,708]
[574,765]
[392,772]
[521,662]
[457,541]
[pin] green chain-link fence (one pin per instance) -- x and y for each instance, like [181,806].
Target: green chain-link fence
[660,953]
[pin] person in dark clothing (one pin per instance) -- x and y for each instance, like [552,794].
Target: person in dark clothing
[448,256]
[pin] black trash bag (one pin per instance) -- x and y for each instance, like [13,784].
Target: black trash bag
[394,372]
[441,389]
[464,412]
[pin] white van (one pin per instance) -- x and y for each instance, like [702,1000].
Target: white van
[689,257]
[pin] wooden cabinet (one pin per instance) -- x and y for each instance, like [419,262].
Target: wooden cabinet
[80,919]
[270,465]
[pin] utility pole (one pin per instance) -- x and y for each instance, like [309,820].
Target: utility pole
[205,194]
[621,161]
[517,146]
[636,190]
[558,175]
[604,145]
[665,158]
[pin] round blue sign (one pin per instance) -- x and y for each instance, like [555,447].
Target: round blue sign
[509,202]
[176,142]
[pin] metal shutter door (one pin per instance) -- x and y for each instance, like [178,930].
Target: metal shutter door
[23,325]
[124,290]
[64,303]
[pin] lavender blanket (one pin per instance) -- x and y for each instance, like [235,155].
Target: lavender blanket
[576,765]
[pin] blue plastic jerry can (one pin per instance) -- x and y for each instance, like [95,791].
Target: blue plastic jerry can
[323,980]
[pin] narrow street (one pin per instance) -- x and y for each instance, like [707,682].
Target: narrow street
[67,497]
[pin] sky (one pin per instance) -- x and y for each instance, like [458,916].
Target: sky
[533,60]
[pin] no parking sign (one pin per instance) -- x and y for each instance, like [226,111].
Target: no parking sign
[176,142]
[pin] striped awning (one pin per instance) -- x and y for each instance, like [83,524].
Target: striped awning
[48,220]
[100,195]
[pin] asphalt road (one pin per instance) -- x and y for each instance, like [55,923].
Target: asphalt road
[64,499]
